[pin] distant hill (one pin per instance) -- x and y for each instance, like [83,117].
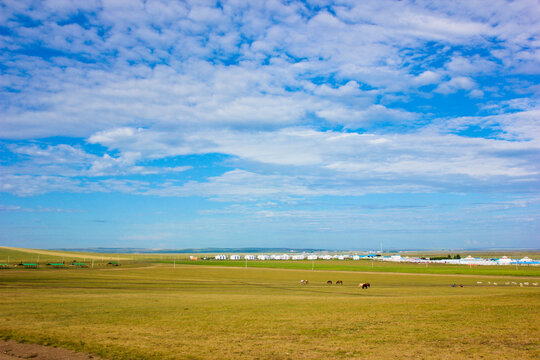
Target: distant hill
[191,250]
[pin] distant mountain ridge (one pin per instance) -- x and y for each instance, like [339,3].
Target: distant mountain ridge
[269,250]
[190,250]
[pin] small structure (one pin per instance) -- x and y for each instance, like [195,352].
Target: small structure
[312,257]
[249,257]
[395,258]
[194,258]
[28,265]
[79,264]
[56,265]
[220,257]
[504,260]
[236,257]
[263,257]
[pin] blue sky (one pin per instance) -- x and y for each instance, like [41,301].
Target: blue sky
[270,123]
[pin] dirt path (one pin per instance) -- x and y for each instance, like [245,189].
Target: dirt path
[66,254]
[10,350]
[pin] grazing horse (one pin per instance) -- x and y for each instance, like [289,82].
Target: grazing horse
[329,282]
[364,285]
[339,282]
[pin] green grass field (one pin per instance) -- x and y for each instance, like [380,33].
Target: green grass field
[372,266]
[148,310]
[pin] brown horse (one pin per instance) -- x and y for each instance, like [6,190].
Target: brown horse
[339,282]
[364,285]
[329,282]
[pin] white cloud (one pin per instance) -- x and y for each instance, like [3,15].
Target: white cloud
[72,161]
[455,84]
[261,82]
[272,49]
[12,208]
[29,185]
[427,78]
[460,65]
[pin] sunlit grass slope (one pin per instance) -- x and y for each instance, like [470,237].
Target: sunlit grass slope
[15,255]
[208,312]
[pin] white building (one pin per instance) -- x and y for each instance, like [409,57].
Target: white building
[312,257]
[263,257]
[236,257]
[298,257]
[249,257]
[221,257]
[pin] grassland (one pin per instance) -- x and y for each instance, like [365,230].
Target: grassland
[158,311]
[371,266]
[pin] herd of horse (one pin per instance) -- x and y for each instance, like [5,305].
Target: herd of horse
[338,282]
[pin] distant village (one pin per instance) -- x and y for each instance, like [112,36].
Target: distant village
[457,260]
